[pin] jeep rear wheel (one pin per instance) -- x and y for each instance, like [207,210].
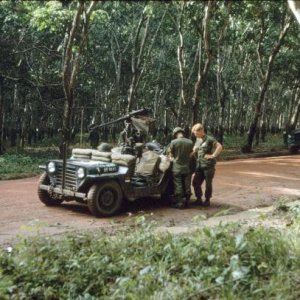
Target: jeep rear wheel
[105,199]
[44,195]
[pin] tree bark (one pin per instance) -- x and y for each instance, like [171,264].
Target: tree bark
[182,65]
[137,58]
[222,87]
[263,88]
[71,68]
[202,73]
[292,108]
[295,8]
[295,116]
[1,114]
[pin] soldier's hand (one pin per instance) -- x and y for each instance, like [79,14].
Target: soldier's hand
[193,154]
[209,156]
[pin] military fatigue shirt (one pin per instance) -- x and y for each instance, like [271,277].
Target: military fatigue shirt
[181,148]
[202,147]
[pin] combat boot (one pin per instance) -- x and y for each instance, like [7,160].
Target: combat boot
[206,203]
[198,202]
[186,202]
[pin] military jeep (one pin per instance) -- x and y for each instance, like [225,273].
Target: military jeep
[104,180]
[293,141]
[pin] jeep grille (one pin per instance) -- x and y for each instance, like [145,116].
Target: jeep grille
[71,181]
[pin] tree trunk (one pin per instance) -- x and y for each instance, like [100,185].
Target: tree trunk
[263,89]
[71,68]
[182,66]
[1,115]
[296,114]
[222,87]
[137,57]
[139,60]
[202,73]
[220,136]
[295,7]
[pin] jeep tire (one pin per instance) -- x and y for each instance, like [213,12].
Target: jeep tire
[105,199]
[44,195]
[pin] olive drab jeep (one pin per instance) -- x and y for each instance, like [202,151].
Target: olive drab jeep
[104,178]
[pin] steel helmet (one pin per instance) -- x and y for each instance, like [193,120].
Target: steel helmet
[104,147]
[176,130]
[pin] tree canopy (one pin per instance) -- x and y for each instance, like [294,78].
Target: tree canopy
[232,65]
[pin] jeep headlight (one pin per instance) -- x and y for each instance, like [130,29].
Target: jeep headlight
[51,167]
[80,173]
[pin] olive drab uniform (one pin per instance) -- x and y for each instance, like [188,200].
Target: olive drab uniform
[205,168]
[181,148]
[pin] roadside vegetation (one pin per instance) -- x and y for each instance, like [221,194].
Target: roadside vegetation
[24,163]
[21,163]
[226,262]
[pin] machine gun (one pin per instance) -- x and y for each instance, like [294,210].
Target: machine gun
[139,112]
[129,142]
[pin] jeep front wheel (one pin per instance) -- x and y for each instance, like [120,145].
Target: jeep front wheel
[105,199]
[44,195]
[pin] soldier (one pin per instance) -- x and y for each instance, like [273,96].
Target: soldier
[207,149]
[94,138]
[180,149]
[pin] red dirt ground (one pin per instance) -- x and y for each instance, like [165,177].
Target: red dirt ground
[239,185]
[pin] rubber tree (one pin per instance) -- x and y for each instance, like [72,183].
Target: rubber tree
[294,117]
[74,44]
[266,74]
[76,38]
[202,72]
[142,49]
[295,8]
[294,105]
[1,114]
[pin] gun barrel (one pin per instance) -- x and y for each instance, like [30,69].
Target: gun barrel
[130,114]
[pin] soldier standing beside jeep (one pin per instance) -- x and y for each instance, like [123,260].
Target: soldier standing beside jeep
[206,149]
[181,149]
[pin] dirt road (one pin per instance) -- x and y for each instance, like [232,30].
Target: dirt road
[239,185]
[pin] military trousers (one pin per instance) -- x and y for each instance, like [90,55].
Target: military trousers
[182,187]
[200,176]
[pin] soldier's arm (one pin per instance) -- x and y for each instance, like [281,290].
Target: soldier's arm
[218,149]
[170,150]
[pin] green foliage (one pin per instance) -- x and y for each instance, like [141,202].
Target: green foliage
[32,36]
[50,17]
[220,263]
[23,164]
[291,209]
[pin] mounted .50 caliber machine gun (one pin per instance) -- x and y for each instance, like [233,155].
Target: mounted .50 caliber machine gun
[137,125]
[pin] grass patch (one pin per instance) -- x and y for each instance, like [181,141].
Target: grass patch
[20,164]
[220,263]
[232,145]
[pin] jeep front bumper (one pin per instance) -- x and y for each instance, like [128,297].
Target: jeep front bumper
[62,192]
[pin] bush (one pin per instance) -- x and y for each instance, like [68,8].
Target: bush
[23,164]
[216,263]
